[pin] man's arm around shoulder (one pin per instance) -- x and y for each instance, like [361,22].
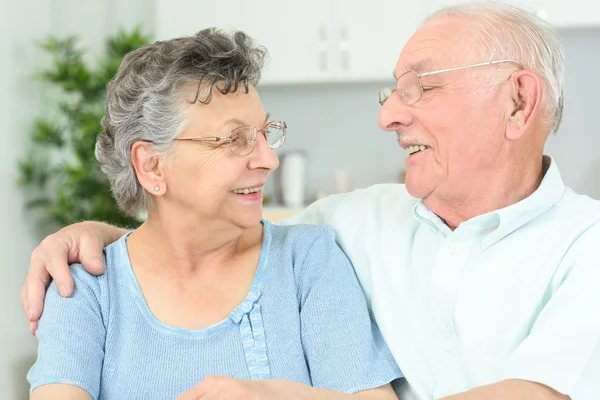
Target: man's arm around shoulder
[512,389]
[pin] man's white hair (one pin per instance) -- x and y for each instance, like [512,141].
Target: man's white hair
[504,31]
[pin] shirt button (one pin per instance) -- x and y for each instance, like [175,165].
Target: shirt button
[453,249]
[446,322]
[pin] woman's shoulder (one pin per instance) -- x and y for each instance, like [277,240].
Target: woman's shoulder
[301,235]
[113,256]
[314,255]
[116,253]
[307,246]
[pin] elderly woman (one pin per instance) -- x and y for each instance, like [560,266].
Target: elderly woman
[205,287]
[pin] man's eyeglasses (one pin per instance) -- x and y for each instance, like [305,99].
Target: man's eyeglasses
[242,140]
[410,87]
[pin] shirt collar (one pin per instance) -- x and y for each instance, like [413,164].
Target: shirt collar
[545,197]
[511,218]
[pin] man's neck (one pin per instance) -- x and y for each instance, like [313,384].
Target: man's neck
[491,192]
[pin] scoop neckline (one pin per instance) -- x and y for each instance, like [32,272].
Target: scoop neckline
[138,297]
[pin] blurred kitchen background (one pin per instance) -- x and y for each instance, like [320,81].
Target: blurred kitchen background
[328,60]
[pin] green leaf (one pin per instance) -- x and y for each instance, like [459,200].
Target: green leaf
[47,133]
[38,202]
[72,184]
[34,170]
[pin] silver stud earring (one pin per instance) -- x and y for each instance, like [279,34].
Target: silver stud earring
[157,188]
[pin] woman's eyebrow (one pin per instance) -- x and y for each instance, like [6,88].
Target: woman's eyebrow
[241,122]
[234,121]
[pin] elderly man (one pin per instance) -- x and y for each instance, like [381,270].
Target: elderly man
[482,272]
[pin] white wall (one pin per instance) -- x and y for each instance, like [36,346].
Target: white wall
[17,101]
[576,147]
[21,99]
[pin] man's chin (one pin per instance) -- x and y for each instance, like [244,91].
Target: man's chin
[417,187]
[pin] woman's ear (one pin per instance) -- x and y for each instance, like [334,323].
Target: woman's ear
[526,103]
[148,167]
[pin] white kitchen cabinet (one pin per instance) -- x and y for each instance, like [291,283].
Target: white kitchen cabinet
[368,36]
[186,17]
[297,35]
[331,40]
[559,13]
[566,14]
[310,41]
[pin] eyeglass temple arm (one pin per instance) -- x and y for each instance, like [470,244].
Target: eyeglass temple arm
[207,139]
[471,66]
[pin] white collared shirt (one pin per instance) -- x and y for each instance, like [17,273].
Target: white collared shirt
[514,293]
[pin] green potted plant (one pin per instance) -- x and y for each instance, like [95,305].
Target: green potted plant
[62,179]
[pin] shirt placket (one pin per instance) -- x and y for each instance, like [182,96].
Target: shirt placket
[450,262]
[249,318]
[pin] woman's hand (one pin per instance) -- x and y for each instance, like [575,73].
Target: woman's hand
[223,388]
[82,242]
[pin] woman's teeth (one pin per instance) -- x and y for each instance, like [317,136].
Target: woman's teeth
[247,191]
[414,149]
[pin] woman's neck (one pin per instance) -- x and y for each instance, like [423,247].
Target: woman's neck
[193,275]
[189,246]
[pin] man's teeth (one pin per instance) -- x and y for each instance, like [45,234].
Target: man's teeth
[247,191]
[414,149]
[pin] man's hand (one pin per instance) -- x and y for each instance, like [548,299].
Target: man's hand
[82,242]
[511,389]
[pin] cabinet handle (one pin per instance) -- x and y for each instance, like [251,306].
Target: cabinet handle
[344,48]
[322,48]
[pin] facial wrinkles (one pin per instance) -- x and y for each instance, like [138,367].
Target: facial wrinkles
[417,62]
[211,159]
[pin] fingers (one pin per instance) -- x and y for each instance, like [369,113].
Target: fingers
[208,389]
[50,260]
[29,314]
[33,327]
[219,388]
[33,297]
[90,253]
[33,292]
[192,394]
[55,252]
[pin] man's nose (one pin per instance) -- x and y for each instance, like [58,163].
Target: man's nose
[394,113]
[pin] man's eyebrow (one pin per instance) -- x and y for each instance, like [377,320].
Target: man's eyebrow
[424,66]
[419,67]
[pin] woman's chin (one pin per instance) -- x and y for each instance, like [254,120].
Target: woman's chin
[248,218]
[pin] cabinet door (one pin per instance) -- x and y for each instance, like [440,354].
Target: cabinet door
[369,36]
[566,14]
[186,17]
[297,35]
[559,13]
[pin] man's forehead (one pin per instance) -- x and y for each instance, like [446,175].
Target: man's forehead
[428,49]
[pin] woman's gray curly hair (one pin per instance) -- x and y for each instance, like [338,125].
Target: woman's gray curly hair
[145,101]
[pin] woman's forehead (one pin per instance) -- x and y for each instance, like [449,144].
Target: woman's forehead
[237,108]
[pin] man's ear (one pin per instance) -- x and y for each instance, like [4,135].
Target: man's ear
[148,167]
[526,103]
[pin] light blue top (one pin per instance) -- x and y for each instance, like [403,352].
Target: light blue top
[510,294]
[305,319]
